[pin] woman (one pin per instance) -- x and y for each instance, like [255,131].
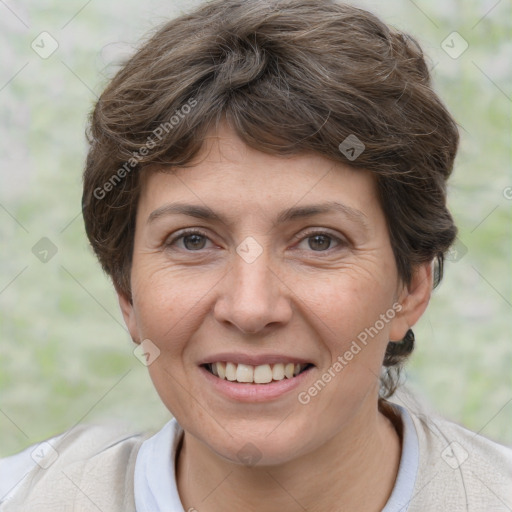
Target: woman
[266,186]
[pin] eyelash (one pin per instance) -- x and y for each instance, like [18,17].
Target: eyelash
[303,236]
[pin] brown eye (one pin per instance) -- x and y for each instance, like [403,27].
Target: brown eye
[192,240]
[319,242]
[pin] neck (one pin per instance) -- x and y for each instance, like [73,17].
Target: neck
[357,467]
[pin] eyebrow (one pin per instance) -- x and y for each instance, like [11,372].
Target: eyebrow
[297,212]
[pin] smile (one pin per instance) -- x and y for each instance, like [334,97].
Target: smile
[261,374]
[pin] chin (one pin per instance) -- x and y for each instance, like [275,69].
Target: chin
[262,450]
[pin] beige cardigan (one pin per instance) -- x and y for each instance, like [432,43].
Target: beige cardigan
[95,471]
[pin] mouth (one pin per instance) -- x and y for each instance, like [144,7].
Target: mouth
[261,374]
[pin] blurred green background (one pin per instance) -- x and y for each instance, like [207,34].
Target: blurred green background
[65,355]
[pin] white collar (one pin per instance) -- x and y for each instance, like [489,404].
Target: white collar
[155,479]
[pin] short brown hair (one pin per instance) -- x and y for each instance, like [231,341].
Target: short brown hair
[289,76]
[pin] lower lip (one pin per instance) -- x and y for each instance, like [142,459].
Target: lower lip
[254,392]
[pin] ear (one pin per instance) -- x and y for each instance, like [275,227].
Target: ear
[414,300]
[127,309]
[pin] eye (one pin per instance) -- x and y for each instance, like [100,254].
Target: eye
[193,240]
[320,241]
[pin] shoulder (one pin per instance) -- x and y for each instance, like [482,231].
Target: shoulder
[459,446]
[457,466]
[89,464]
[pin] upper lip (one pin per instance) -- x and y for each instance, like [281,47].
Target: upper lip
[253,360]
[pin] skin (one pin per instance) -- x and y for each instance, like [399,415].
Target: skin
[310,298]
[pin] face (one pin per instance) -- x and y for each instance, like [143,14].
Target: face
[269,265]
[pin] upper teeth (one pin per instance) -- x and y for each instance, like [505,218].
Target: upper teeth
[261,374]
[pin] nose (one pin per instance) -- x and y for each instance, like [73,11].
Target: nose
[253,297]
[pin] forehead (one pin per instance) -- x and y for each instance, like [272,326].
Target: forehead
[232,175]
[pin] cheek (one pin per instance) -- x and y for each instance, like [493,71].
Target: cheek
[348,318]
[349,302]
[169,302]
